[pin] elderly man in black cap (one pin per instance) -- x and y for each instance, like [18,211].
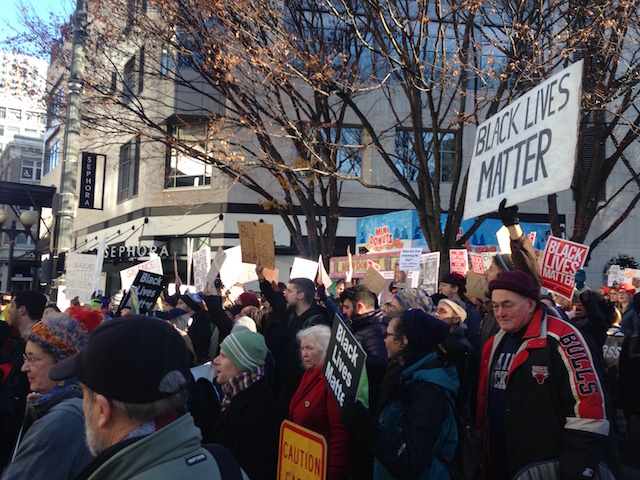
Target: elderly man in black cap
[133,374]
[540,396]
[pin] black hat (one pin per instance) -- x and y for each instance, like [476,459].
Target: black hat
[423,331]
[456,280]
[135,359]
[193,301]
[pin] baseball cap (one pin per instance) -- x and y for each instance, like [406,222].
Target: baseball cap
[136,359]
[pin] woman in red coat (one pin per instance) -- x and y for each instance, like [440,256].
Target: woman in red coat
[313,405]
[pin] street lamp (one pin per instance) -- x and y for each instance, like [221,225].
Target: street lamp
[28,218]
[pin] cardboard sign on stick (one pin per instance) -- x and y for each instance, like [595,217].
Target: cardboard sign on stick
[345,361]
[256,241]
[528,149]
[373,281]
[201,265]
[561,260]
[81,271]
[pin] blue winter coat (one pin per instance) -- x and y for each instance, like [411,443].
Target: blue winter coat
[417,433]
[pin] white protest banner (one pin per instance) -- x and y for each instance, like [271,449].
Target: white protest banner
[201,265]
[303,268]
[324,276]
[487,259]
[528,149]
[458,262]
[234,271]
[410,258]
[80,271]
[216,264]
[429,272]
[128,275]
[561,260]
[345,361]
[477,265]
[504,240]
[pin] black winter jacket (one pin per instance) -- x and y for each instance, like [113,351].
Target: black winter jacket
[369,329]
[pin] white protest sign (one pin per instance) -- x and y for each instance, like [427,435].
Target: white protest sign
[504,240]
[201,265]
[216,265]
[99,263]
[303,268]
[324,276]
[234,271]
[410,258]
[128,275]
[80,272]
[429,272]
[528,149]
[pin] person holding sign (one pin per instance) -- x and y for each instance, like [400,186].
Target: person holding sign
[416,434]
[540,395]
[313,406]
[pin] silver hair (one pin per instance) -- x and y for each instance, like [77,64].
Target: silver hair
[320,334]
[145,412]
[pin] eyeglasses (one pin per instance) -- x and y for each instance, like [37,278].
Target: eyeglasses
[506,306]
[386,334]
[30,359]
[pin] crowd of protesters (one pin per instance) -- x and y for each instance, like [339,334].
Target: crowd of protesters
[520,384]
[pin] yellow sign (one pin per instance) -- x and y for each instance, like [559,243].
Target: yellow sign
[302,453]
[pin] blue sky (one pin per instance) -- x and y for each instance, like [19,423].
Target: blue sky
[10,14]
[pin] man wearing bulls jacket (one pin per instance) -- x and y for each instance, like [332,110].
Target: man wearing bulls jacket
[540,395]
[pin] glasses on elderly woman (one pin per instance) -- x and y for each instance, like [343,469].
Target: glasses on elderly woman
[30,359]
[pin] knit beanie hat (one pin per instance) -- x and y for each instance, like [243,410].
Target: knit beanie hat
[64,335]
[458,307]
[246,349]
[423,331]
[414,298]
[193,300]
[518,282]
[248,298]
[505,261]
[244,323]
[456,280]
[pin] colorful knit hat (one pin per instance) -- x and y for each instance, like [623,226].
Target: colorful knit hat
[414,298]
[64,335]
[245,349]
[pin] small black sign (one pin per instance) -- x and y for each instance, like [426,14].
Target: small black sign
[345,361]
[148,286]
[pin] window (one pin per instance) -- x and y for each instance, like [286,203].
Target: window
[348,153]
[409,165]
[3,112]
[52,156]
[141,71]
[31,170]
[58,103]
[128,174]
[15,114]
[1,130]
[134,7]
[129,80]
[183,170]
[166,61]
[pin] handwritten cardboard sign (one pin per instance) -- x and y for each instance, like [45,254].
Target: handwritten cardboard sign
[373,280]
[81,271]
[256,242]
[345,361]
[528,149]
[476,285]
[458,262]
[302,453]
[561,260]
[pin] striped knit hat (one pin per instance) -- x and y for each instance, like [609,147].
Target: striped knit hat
[245,349]
[64,335]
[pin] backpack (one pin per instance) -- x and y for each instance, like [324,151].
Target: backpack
[227,463]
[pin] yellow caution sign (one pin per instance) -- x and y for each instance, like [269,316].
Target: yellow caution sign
[302,453]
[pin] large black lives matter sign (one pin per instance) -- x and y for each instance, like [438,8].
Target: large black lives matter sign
[148,286]
[345,361]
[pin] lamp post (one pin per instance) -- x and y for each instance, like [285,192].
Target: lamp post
[28,218]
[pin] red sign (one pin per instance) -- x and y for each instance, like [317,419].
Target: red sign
[458,262]
[561,260]
[477,264]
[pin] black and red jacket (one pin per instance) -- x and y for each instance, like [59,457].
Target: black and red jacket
[554,404]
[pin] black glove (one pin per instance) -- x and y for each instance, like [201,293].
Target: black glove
[356,417]
[322,293]
[508,215]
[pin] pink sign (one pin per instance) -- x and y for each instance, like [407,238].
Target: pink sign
[477,264]
[458,262]
[561,260]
